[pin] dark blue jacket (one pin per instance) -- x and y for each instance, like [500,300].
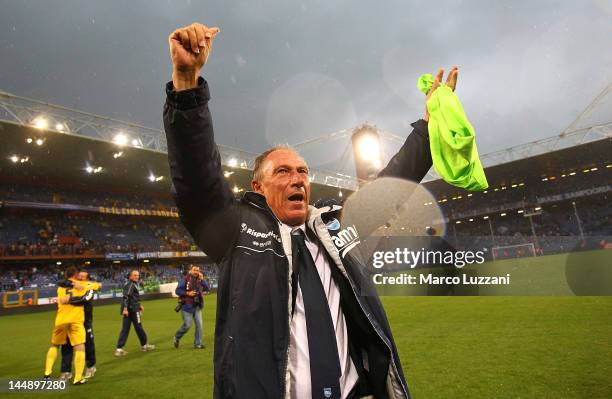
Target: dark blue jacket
[254,287]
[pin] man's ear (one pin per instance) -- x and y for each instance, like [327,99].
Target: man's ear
[256,186]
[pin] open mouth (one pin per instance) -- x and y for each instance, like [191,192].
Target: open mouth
[297,197]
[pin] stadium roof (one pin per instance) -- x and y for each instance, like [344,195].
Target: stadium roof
[69,158]
[75,140]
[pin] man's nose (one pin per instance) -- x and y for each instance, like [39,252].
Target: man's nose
[297,179]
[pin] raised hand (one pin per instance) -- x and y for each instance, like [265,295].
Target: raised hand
[190,48]
[451,81]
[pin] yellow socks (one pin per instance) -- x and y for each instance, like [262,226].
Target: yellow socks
[51,356]
[79,365]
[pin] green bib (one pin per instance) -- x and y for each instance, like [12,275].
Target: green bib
[451,139]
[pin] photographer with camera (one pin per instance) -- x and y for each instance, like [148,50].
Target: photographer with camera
[191,291]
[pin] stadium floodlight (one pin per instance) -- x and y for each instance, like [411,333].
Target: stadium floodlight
[41,123]
[98,169]
[117,154]
[136,143]
[368,147]
[366,152]
[120,139]
[40,142]
[227,174]
[152,177]
[233,162]
[60,127]
[89,169]
[340,193]
[244,165]
[29,140]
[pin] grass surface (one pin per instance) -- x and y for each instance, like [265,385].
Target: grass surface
[451,347]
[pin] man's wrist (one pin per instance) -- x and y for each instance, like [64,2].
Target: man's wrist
[185,79]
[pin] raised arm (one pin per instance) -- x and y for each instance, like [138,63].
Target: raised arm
[413,160]
[207,206]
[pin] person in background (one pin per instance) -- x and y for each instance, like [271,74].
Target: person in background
[191,291]
[90,348]
[131,310]
[69,324]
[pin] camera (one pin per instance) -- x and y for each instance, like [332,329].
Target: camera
[179,305]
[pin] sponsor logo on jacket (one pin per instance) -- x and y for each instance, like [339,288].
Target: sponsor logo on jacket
[346,239]
[244,228]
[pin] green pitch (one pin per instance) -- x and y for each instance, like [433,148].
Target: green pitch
[451,347]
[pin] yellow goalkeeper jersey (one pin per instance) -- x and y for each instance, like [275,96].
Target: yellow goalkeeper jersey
[68,313]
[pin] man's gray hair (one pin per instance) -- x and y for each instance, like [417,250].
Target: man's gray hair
[259,161]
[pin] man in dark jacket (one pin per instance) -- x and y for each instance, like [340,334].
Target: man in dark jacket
[191,291]
[291,319]
[131,310]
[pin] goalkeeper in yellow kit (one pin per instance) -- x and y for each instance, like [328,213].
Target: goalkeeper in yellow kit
[69,323]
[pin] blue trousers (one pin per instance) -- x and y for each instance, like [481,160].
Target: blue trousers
[188,318]
[131,318]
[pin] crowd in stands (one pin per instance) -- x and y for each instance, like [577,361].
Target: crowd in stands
[55,195]
[67,233]
[558,227]
[531,192]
